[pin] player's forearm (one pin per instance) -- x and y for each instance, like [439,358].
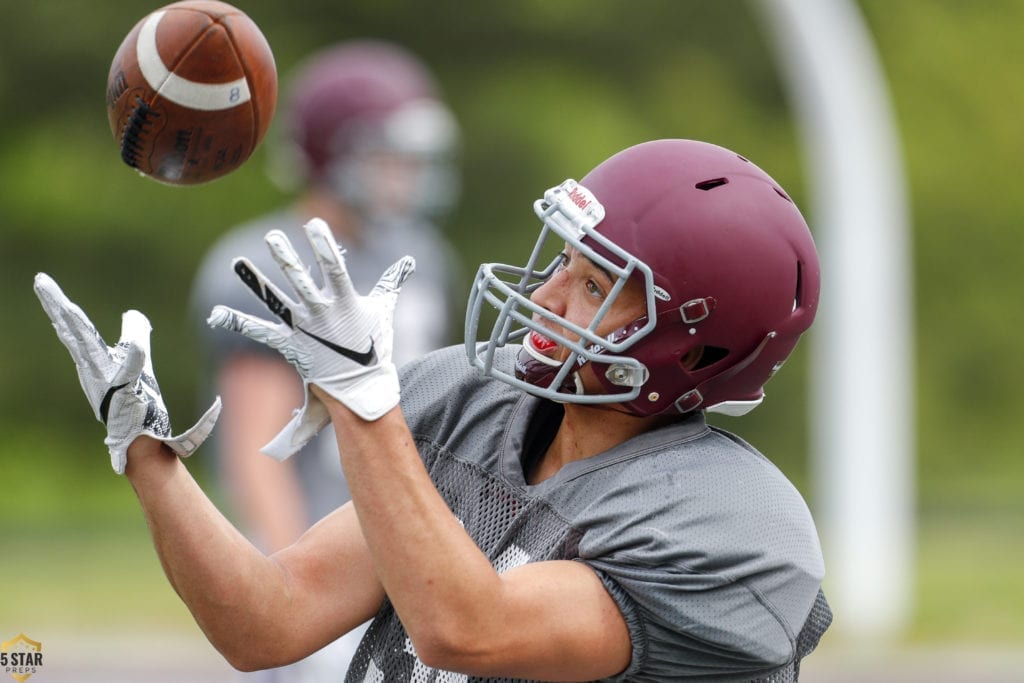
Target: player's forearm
[227,584]
[442,586]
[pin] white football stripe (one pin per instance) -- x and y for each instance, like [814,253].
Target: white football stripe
[204,96]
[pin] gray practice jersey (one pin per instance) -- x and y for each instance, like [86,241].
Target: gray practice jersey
[708,550]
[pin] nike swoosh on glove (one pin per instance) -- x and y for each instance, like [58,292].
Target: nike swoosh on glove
[337,339]
[118,381]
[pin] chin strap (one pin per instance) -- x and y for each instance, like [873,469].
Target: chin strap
[539,370]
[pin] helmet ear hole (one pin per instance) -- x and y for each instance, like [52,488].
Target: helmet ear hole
[799,294]
[708,357]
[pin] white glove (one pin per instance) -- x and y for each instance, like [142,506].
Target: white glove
[336,339]
[118,380]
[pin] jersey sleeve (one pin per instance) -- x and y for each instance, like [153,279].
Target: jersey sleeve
[431,385]
[714,566]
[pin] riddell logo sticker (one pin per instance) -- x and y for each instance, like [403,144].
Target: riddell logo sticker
[578,198]
[21,657]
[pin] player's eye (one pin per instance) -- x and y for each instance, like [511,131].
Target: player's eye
[594,289]
[563,261]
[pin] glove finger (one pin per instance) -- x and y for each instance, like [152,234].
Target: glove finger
[250,326]
[135,331]
[125,378]
[330,257]
[294,269]
[50,296]
[279,303]
[128,371]
[74,329]
[395,276]
[118,457]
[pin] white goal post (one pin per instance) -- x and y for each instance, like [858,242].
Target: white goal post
[862,407]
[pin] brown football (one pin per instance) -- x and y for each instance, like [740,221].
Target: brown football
[191,92]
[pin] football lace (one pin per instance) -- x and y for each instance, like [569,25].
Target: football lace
[135,130]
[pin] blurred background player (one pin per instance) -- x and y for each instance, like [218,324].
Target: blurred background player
[368,145]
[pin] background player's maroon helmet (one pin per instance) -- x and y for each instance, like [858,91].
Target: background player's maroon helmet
[363,98]
[725,258]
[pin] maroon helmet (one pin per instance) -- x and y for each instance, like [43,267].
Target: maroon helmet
[363,98]
[726,262]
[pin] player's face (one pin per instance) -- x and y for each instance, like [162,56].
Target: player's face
[380,182]
[575,292]
[392,181]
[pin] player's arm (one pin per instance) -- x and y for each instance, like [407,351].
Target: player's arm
[546,620]
[257,611]
[460,613]
[259,392]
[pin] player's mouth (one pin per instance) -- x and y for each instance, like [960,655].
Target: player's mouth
[540,347]
[540,342]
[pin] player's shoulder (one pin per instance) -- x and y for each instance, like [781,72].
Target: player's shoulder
[690,480]
[443,372]
[442,386]
[709,517]
[244,239]
[247,237]
[426,242]
[214,275]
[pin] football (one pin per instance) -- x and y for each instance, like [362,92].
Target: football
[191,92]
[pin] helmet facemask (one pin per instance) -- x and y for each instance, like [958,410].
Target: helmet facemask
[570,215]
[400,166]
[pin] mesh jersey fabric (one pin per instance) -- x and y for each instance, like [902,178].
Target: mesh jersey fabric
[709,551]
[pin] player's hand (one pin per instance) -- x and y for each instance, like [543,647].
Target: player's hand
[336,338]
[118,381]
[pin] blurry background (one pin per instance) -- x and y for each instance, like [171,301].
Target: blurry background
[542,90]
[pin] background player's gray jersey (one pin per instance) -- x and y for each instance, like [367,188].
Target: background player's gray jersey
[709,551]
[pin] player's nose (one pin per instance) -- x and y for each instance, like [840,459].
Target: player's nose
[551,295]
